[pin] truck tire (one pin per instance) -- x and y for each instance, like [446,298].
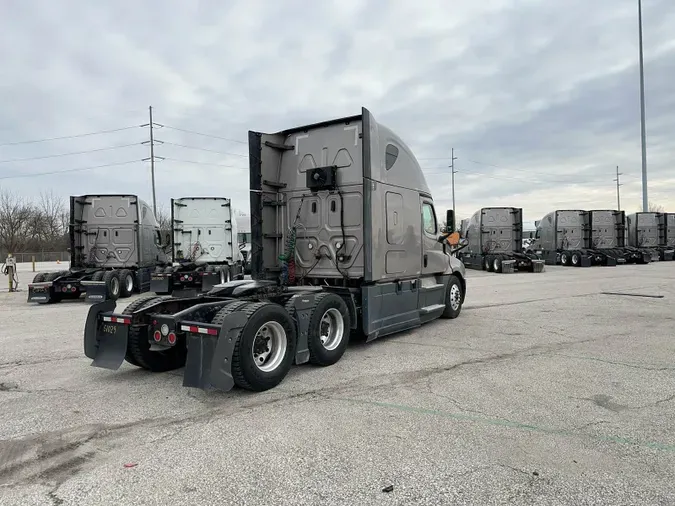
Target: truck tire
[256,365]
[488,262]
[565,258]
[329,329]
[454,298]
[112,284]
[126,283]
[39,277]
[497,263]
[98,276]
[135,334]
[575,259]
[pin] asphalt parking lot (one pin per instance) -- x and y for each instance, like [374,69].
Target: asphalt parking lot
[551,388]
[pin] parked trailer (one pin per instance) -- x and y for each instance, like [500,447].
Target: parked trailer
[648,233]
[115,244]
[335,250]
[495,241]
[204,249]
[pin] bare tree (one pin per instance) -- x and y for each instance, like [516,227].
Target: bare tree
[163,218]
[656,208]
[15,222]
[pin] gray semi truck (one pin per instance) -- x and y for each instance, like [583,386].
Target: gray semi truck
[115,245]
[653,233]
[204,249]
[580,238]
[494,238]
[344,239]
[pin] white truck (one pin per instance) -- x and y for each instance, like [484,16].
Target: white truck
[204,250]
[244,239]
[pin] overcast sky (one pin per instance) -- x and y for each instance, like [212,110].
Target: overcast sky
[539,98]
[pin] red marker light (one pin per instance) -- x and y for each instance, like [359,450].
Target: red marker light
[172,338]
[157,336]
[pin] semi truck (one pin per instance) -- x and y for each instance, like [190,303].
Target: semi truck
[204,250]
[115,245]
[495,241]
[649,232]
[345,240]
[580,238]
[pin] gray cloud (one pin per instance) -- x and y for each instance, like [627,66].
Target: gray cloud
[539,99]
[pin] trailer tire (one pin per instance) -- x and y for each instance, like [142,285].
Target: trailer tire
[454,298]
[39,277]
[138,344]
[246,372]
[112,284]
[126,283]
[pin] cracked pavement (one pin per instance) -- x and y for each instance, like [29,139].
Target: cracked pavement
[544,391]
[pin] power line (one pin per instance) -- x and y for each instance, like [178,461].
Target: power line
[34,141]
[201,149]
[205,163]
[58,155]
[37,174]
[205,135]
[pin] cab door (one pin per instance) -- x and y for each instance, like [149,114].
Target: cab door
[434,261]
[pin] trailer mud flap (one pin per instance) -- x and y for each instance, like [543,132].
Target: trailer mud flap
[40,292]
[105,342]
[160,283]
[209,357]
[95,291]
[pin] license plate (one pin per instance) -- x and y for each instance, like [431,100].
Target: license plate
[39,290]
[109,328]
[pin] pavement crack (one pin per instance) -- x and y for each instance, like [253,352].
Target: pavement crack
[624,364]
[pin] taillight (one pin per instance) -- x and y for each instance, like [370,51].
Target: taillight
[182,278]
[157,335]
[73,289]
[172,338]
[189,278]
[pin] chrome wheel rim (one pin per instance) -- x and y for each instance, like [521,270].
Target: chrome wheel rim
[455,297]
[332,329]
[114,286]
[129,281]
[269,346]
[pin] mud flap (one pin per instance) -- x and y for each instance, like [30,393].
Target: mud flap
[209,280]
[105,344]
[95,291]
[40,292]
[303,311]
[668,255]
[209,358]
[160,283]
[610,261]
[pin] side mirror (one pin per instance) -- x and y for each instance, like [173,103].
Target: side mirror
[449,220]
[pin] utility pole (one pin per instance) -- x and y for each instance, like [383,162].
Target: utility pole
[453,171]
[152,159]
[645,203]
[618,198]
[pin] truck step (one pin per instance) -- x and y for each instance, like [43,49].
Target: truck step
[280,147]
[430,288]
[432,309]
[274,184]
[273,203]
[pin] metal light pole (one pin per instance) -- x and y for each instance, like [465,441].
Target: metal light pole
[645,200]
